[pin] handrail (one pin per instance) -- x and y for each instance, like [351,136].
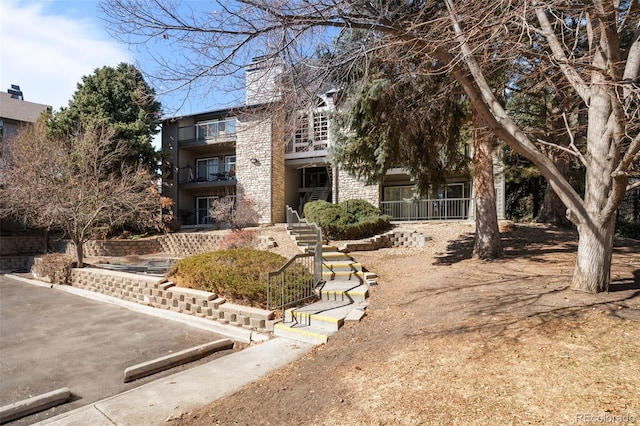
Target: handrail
[295,281]
[289,262]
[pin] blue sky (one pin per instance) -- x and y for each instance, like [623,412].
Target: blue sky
[47,46]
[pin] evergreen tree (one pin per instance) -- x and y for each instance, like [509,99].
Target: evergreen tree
[119,99]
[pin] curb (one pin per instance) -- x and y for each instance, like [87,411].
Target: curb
[159,364]
[38,403]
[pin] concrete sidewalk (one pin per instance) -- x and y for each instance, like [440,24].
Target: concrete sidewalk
[173,396]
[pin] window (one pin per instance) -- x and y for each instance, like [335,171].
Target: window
[203,205]
[320,131]
[301,138]
[207,169]
[452,190]
[398,193]
[229,163]
[312,133]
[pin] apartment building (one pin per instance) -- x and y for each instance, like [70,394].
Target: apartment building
[246,152]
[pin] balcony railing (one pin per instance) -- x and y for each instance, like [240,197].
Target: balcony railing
[427,209]
[209,132]
[186,176]
[307,146]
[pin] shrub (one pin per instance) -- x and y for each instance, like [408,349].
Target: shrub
[238,275]
[353,219]
[239,239]
[57,267]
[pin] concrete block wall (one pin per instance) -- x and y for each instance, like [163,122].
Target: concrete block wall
[115,248]
[25,244]
[15,263]
[121,248]
[396,238]
[151,291]
[188,244]
[179,245]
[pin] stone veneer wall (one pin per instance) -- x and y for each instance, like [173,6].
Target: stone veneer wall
[151,291]
[350,188]
[254,141]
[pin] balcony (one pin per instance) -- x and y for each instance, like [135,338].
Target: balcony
[208,133]
[187,180]
[306,149]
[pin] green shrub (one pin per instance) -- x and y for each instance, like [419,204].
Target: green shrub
[349,220]
[238,275]
[360,209]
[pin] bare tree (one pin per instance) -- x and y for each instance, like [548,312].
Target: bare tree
[77,185]
[238,212]
[462,38]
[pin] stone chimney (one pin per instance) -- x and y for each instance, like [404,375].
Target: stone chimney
[262,85]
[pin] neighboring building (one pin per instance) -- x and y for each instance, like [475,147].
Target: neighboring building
[243,152]
[16,112]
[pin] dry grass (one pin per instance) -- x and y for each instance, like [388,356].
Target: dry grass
[449,340]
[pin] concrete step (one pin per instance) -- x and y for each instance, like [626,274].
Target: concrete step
[305,240]
[343,291]
[303,231]
[323,315]
[357,276]
[342,265]
[335,255]
[301,333]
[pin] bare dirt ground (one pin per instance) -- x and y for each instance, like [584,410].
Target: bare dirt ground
[449,340]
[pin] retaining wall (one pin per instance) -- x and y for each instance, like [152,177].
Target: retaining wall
[152,291]
[23,244]
[395,238]
[15,263]
[179,245]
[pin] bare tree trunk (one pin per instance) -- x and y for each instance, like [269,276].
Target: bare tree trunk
[595,243]
[79,253]
[487,242]
[593,262]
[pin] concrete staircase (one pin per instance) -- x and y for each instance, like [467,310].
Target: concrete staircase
[342,297]
[304,236]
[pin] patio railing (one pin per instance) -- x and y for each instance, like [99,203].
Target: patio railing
[427,209]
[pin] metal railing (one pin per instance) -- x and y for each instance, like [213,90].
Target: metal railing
[296,280]
[210,131]
[427,209]
[293,283]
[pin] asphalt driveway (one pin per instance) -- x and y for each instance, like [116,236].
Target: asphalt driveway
[51,339]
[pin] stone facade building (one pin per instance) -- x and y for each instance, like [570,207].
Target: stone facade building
[246,152]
